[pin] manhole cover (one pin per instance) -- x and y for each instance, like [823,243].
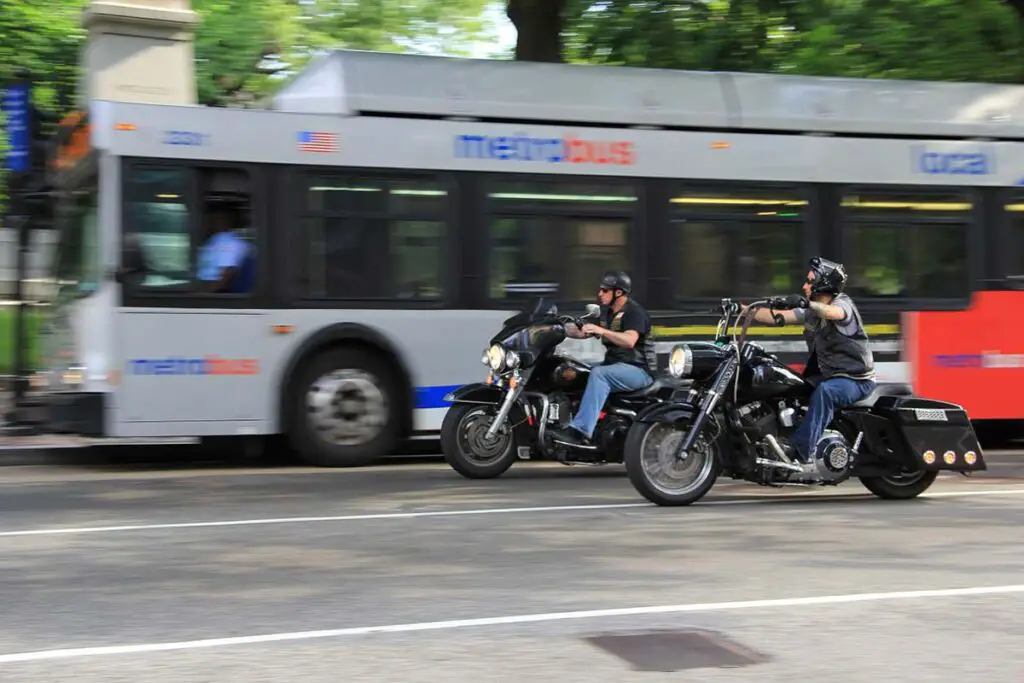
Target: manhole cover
[666,651]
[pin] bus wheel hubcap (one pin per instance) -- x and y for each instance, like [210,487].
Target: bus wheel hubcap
[347,407]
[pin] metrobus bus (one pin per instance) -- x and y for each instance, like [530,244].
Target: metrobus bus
[399,207]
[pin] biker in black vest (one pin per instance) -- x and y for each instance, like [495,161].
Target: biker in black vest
[839,355]
[629,363]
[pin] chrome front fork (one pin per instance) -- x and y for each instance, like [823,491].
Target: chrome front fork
[511,395]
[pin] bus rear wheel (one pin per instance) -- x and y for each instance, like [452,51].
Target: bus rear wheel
[345,409]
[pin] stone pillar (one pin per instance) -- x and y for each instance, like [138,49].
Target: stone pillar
[139,51]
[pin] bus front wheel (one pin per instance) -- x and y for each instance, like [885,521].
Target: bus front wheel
[345,409]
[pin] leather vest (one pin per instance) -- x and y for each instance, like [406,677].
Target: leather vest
[835,354]
[643,354]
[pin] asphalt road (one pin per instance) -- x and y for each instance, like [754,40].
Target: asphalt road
[284,574]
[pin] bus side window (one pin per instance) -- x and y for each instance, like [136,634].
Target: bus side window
[226,253]
[156,230]
[1013,253]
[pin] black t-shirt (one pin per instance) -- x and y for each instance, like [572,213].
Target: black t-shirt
[632,316]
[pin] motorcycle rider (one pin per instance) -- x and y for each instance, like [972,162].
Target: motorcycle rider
[630,361]
[839,354]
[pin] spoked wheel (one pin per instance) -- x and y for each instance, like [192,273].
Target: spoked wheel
[465,444]
[655,472]
[902,486]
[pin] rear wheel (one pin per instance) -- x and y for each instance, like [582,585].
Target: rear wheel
[901,486]
[345,408]
[465,444]
[658,476]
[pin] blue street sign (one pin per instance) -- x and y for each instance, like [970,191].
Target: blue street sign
[15,105]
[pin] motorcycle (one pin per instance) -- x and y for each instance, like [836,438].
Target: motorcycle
[530,388]
[743,399]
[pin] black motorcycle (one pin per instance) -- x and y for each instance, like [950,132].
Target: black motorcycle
[529,389]
[743,399]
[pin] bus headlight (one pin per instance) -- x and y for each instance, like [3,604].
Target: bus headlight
[680,361]
[495,357]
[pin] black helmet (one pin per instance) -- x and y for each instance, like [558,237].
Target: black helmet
[617,279]
[829,276]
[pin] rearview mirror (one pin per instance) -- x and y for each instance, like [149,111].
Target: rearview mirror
[593,311]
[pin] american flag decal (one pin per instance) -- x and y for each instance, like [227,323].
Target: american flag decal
[313,141]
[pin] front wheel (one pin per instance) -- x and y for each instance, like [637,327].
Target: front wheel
[900,487]
[658,476]
[465,444]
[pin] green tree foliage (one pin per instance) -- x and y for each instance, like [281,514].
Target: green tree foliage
[41,38]
[948,40]
[953,40]
[244,48]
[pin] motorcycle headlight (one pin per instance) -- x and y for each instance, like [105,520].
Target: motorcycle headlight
[680,361]
[511,360]
[495,357]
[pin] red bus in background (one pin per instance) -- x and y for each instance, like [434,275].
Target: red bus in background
[973,357]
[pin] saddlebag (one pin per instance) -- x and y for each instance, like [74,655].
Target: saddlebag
[923,434]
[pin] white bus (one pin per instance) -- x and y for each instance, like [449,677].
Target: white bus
[399,207]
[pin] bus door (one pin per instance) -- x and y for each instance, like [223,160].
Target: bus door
[192,340]
[192,366]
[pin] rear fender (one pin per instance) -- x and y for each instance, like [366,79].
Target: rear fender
[918,434]
[666,412]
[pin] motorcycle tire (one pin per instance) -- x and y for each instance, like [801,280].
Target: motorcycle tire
[467,464]
[886,489]
[636,440]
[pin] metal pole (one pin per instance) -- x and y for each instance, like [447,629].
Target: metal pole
[20,350]
[21,129]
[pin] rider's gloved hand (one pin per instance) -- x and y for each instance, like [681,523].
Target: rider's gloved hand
[797,301]
[786,303]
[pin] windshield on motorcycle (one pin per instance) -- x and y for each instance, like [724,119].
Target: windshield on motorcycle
[532,331]
[536,309]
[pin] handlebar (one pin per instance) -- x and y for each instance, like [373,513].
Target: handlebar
[728,308]
[581,320]
[775,303]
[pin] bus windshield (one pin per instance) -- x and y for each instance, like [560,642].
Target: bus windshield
[76,263]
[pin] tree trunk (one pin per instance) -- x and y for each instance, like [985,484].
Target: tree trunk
[539,29]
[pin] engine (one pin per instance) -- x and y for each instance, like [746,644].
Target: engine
[611,435]
[833,457]
[760,416]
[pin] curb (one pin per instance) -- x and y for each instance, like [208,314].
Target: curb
[35,451]
[87,454]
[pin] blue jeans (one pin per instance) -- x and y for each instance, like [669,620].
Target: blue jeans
[833,393]
[605,379]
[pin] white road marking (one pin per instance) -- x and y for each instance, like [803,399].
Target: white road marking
[334,518]
[507,620]
[809,494]
[966,494]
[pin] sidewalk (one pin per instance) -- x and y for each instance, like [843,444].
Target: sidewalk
[67,449]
